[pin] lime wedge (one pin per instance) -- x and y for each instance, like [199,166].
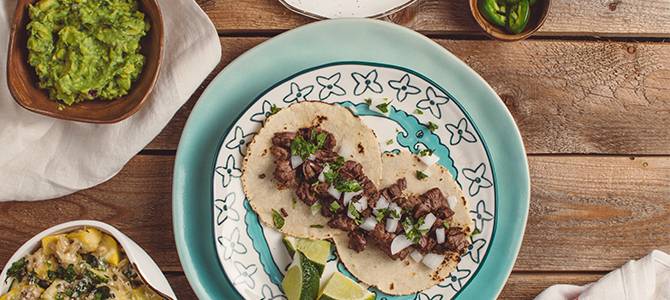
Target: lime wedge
[290,244]
[315,250]
[301,281]
[340,287]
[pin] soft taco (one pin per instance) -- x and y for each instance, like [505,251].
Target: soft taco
[293,150]
[433,229]
[315,171]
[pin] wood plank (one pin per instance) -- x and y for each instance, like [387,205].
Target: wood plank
[519,285]
[566,96]
[587,212]
[566,17]
[529,285]
[595,213]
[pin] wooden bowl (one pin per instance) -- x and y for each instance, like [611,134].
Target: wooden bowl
[538,14]
[22,79]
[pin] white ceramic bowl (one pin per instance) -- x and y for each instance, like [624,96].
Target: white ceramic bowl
[147,268]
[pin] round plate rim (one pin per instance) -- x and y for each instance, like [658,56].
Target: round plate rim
[321,17]
[190,157]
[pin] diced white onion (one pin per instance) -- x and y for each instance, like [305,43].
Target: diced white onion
[322,175]
[334,192]
[429,160]
[296,161]
[391,224]
[311,157]
[369,224]
[416,256]
[382,203]
[428,221]
[363,202]
[346,150]
[452,200]
[432,260]
[439,235]
[399,243]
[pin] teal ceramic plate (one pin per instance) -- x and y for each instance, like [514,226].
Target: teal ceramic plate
[227,254]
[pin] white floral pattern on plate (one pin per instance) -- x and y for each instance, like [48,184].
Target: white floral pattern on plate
[253,256]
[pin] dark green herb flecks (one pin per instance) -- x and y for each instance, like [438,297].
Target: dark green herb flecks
[316,226]
[384,107]
[421,175]
[432,126]
[274,109]
[348,186]
[18,269]
[334,206]
[277,219]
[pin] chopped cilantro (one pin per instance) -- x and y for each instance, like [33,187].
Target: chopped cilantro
[70,274]
[384,107]
[432,126]
[274,109]
[476,232]
[277,219]
[394,214]
[368,101]
[389,142]
[418,111]
[348,186]
[302,148]
[334,206]
[316,226]
[410,229]
[305,148]
[380,214]
[331,176]
[18,269]
[445,224]
[354,213]
[421,175]
[337,164]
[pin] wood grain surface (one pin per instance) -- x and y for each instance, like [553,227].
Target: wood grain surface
[594,114]
[581,208]
[600,18]
[519,285]
[566,96]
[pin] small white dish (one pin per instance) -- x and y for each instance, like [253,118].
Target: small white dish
[334,9]
[145,266]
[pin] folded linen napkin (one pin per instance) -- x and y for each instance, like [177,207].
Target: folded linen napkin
[647,278]
[44,158]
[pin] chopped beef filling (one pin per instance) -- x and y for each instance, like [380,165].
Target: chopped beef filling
[306,162]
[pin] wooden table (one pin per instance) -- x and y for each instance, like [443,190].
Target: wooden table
[590,93]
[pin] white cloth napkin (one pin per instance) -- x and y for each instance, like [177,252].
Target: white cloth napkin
[43,158]
[647,278]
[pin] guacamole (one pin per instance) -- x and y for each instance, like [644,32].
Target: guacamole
[86,49]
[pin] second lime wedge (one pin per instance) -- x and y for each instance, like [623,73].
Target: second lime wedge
[340,287]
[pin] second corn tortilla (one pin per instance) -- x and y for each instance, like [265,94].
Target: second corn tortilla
[400,277]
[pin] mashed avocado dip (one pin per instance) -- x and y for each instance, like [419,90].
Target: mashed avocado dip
[86,49]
